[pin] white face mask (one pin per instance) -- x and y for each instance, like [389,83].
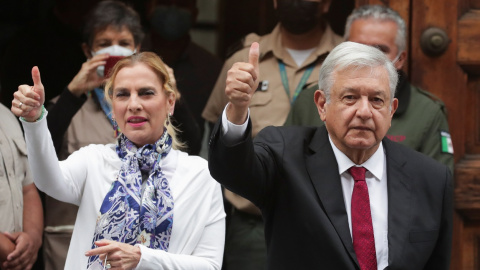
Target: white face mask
[114,50]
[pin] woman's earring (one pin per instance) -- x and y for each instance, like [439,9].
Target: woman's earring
[115,127]
[168,118]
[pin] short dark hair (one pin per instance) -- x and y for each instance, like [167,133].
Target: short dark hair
[112,13]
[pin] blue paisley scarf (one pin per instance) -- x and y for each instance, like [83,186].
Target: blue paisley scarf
[125,215]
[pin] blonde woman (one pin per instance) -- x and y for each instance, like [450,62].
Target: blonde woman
[143,203]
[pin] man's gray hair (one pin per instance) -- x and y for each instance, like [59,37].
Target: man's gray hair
[352,55]
[382,13]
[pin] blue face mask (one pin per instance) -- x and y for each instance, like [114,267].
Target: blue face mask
[171,22]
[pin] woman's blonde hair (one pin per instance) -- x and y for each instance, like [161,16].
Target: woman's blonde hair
[156,64]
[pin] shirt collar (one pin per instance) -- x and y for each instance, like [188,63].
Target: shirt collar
[374,164]
[272,43]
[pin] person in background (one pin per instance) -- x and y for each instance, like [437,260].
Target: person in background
[290,59]
[80,115]
[339,196]
[196,70]
[143,204]
[21,225]
[420,122]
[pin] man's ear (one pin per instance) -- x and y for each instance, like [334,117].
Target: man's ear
[321,102]
[394,106]
[401,60]
[86,50]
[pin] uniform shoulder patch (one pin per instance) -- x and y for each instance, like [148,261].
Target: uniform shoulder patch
[447,146]
[434,98]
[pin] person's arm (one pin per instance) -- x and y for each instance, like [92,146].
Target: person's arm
[73,97]
[33,215]
[233,161]
[207,255]
[60,114]
[62,183]
[29,241]
[203,249]
[6,247]
[241,203]
[48,176]
[432,144]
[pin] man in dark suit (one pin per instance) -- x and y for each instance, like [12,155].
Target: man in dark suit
[339,196]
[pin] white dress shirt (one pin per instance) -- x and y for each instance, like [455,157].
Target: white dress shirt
[376,178]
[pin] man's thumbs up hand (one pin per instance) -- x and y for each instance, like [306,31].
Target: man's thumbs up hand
[242,82]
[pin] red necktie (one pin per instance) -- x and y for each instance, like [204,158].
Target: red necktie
[362,229]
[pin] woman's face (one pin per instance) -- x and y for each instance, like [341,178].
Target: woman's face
[112,36]
[140,104]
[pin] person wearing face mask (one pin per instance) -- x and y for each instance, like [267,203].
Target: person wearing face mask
[420,122]
[196,70]
[290,60]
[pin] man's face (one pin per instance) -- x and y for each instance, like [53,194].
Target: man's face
[377,33]
[300,16]
[358,115]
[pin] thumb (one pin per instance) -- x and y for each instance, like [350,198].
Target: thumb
[37,85]
[10,236]
[253,56]
[36,77]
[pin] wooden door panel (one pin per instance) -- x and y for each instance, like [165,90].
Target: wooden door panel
[468,53]
[440,75]
[471,241]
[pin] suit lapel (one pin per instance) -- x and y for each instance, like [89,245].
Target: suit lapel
[323,170]
[399,202]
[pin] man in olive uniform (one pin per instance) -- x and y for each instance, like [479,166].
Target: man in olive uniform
[420,121]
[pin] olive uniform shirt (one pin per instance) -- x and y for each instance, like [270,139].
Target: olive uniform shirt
[14,172]
[420,121]
[270,104]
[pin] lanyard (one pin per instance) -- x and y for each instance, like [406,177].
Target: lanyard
[107,109]
[303,80]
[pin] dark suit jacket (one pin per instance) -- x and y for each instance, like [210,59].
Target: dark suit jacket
[291,174]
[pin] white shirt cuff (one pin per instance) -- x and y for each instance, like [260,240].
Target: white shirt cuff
[233,133]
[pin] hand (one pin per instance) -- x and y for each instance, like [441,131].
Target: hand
[25,253]
[27,100]
[6,247]
[242,82]
[120,255]
[87,78]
